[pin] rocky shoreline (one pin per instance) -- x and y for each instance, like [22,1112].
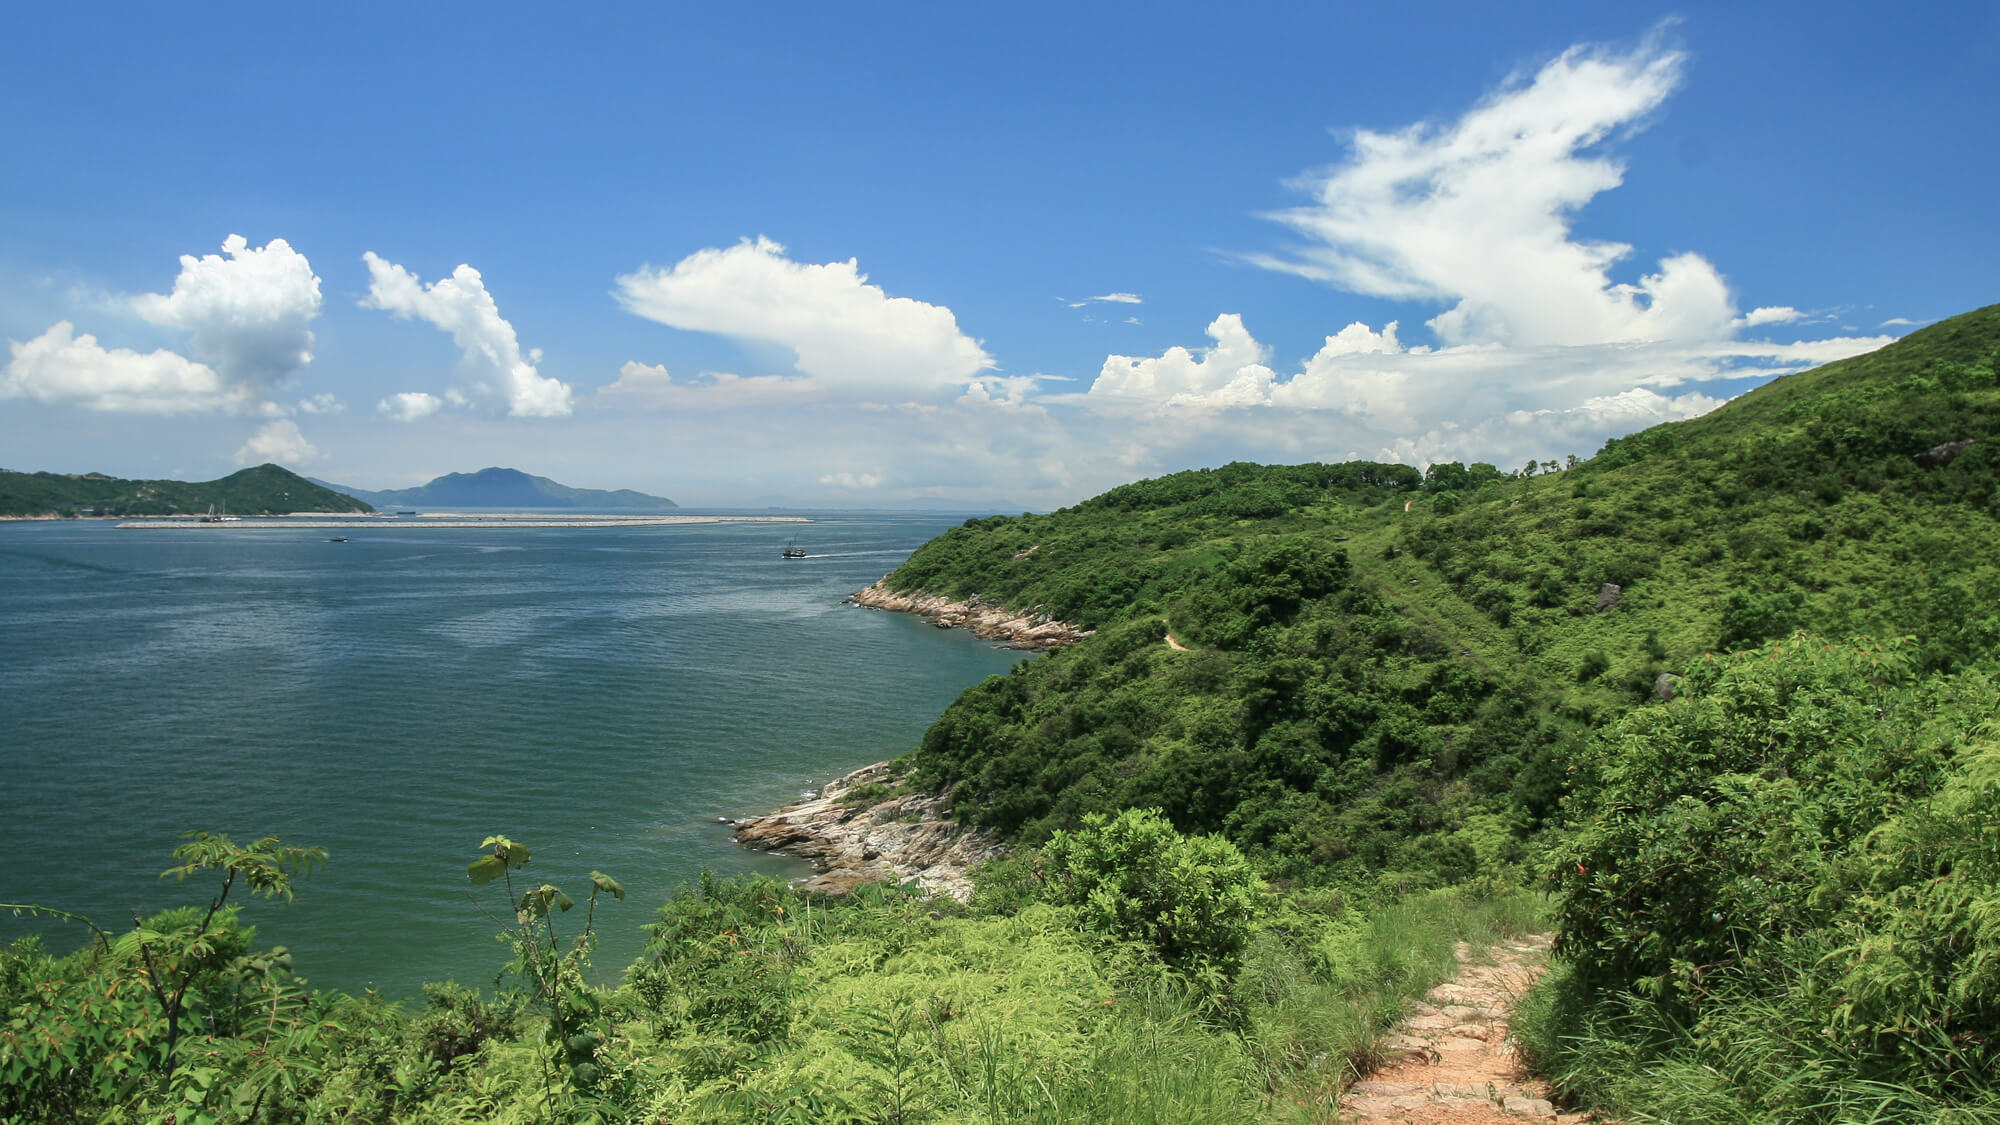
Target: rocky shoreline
[879,838]
[1033,630]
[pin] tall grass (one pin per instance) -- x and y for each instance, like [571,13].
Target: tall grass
[1319,1011]
[1754,1057]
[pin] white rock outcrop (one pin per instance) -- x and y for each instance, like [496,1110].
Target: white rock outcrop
[900,839]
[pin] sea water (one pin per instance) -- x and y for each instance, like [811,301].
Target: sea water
[599,695]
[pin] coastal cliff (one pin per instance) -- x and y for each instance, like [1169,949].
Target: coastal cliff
[856,830]
[1031,630]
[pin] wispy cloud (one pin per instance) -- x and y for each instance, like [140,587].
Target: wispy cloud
[1109,298]
[1539,348]
[650,386]
[1477,213]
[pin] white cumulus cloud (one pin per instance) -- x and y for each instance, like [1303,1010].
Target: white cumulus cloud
[495,372]
[247,318]
[248,315]
[278,442]
[1771,314]
[410,406]
[845,334]
[1230,373]
[62,367]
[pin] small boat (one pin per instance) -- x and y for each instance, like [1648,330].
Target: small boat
[793,550]
[338,539]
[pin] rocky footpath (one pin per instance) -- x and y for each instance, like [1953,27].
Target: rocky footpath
[878,838]
[1452,1063]
[1032,630]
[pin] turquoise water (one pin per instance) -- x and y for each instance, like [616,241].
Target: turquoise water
[600,695]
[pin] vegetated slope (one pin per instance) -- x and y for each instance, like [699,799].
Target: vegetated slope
[1384,667]
[512,488]
[1777,890]
[261,491]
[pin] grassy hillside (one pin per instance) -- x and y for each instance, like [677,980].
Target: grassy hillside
[1728,691]
[266,490]
[1382,667]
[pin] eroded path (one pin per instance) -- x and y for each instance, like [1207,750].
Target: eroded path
[1453,1064]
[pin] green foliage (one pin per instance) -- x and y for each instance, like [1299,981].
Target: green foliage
[1390,693]
[259,491]
[1188,899]
[111,1024]
[1791,867]
[554,972]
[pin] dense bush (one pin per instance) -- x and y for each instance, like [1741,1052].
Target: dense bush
[1792,865]
[1189,899]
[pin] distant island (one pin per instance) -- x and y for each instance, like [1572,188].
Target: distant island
[504,488]
[266,490]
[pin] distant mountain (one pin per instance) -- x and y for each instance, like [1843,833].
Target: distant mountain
[266,490]
[505,488]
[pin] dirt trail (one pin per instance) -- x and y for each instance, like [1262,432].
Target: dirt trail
[1453,1064]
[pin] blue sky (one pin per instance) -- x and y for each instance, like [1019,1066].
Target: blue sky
[850,255]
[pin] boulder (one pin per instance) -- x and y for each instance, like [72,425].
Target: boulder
[1938,456]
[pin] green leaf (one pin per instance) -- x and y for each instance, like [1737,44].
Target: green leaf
[485,869]
[535,904]
[603,882]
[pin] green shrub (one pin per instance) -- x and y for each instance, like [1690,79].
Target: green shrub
[1134,878]
[1782,902]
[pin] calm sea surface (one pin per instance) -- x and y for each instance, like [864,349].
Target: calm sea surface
[598,695]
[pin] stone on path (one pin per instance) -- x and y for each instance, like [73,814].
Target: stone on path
[1451,1064]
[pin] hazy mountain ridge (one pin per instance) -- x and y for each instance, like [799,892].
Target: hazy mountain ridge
[506,488]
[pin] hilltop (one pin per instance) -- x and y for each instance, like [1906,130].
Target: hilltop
[266,490]
[1382,660]
[507,488]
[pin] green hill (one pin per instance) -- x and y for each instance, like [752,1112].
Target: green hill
[266,490]
[1723,703]
[1385,664]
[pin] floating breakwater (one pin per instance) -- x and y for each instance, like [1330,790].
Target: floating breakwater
[443,521]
